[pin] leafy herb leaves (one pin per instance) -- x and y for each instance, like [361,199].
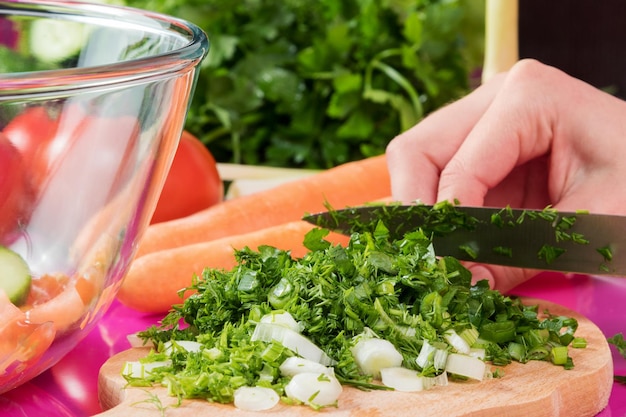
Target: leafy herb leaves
[318,83]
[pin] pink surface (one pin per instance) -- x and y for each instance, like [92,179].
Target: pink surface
[69,389]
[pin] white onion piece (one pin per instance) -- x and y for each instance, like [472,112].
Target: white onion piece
[373,354]
[457,342]
[296,365]
[477,353]
[294,341]
[425,357]
[467,366]
[136,369]
[407,380]
[137,342]
[314,389]
[402,379]
[255,398]
[187,345]
[284,318]
[440,380]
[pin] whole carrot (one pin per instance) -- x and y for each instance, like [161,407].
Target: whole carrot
[153,282]
[349,184]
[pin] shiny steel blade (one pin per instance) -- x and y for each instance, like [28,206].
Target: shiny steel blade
[535,239]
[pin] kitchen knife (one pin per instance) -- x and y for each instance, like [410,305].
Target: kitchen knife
[536,239]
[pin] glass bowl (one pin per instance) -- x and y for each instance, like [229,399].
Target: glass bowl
[92,104]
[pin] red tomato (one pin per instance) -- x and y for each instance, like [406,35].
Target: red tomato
[32,132]
[16,193]
[192,184]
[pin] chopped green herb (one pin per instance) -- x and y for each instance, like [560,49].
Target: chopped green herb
[549,253]
[471,250]
[504,251]
[606,252]
[566,222]
[619,342]
[579,239]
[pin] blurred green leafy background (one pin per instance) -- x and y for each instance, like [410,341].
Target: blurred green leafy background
[317,83]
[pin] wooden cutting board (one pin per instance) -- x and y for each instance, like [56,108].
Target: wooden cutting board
[534,389]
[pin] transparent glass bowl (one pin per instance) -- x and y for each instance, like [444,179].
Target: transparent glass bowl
[92,103]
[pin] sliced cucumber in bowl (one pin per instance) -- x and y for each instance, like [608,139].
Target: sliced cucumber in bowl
[55,40]
[15,276]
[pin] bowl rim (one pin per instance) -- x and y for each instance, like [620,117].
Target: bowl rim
[162,65]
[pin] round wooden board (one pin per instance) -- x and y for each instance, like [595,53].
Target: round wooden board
[533,389]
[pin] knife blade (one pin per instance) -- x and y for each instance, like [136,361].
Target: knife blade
[547,239]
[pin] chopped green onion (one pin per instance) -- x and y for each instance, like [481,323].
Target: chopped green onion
[517,351]
[255,398]
[559,355]
[181,345]
[499,331]
[282,318]
[426,356]
[296,365]
[402,379]
[466,366]
[479,353]
[372,354]
[440,359]
[138,369]
[316,390]
[470,335]
[579,343]
[268,332]
[456,342]
[539,353]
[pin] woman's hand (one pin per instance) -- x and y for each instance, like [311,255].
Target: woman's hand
[530,138]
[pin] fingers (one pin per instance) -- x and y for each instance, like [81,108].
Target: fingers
[533,137]
[500,278]
[517,127]
[417,156]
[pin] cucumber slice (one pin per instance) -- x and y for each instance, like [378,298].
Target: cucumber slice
[15,276]
[55,40]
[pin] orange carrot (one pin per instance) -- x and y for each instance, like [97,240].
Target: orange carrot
[20,340]
[63,310]
[349,184]
[154,280]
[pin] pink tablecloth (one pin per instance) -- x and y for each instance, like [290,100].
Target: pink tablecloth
[69,389]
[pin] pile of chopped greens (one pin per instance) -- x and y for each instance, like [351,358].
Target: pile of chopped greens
[395,288]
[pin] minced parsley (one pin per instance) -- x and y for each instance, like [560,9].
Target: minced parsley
[396,288]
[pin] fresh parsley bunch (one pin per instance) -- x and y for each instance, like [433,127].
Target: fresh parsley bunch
[317,83]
